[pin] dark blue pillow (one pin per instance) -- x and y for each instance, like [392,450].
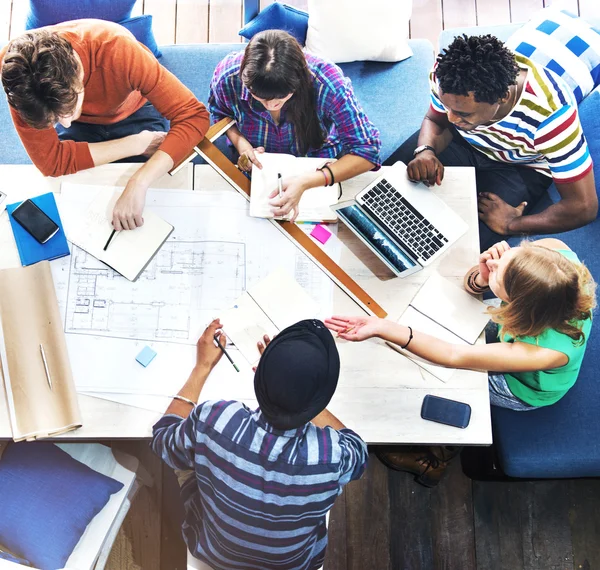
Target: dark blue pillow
[49,12]
[278,17]
[47,499]
[141,28]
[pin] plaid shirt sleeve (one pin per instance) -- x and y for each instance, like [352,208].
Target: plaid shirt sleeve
[354,456]
[222,96]
[338,101]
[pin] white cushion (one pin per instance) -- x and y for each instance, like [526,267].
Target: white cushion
[359,30]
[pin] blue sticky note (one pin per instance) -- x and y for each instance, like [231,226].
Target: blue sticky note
[146,356]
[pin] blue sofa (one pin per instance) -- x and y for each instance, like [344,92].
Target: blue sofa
[560,441]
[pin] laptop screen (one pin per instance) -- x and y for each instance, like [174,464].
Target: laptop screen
[363,225]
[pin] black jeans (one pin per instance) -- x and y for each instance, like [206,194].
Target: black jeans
[146,118]
[514,184]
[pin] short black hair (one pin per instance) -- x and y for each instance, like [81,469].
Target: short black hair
[482,65]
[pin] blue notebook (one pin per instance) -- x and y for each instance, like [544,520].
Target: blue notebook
[30,250]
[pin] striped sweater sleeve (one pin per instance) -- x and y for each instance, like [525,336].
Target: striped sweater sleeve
[561,141]
[354,456]
[173,439]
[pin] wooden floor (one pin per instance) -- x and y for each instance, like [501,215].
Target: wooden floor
[385,521]
[199,21]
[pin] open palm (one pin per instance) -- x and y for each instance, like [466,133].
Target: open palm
[353,328]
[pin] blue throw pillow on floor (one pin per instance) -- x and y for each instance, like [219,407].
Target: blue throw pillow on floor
[141,28]
[47,499]
[278,17]
[49,12]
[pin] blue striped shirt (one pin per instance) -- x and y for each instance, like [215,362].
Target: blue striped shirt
[340,115]
[260,495]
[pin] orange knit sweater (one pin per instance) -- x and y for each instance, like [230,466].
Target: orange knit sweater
[120,74]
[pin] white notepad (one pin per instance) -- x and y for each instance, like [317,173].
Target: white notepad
[273,304]
[315,202]
[443,310]
[129,251]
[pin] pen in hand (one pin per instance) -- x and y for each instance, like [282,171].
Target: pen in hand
[280,184]
[226,353]
[109,240]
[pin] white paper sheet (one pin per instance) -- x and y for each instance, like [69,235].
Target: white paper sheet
[215,254]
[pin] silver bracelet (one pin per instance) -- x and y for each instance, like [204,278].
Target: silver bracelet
[184,399]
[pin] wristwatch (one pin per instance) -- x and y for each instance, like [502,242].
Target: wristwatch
[421,148]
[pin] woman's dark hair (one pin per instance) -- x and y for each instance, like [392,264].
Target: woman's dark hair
[482,65]
[40,76]
[274,66]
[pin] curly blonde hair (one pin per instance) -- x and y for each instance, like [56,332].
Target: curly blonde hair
[545,291]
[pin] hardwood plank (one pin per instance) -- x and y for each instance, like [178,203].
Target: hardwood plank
[163,19]
[17,18]
[411,544]
[492,12]
[459,13]
[452,521]
[368,519]
[138,543]
[584,518]
[192,21]
[498,532]
[173,550]
[5,13]
[335,558]
[427,20]
[225,21]
[546,532]
[589,9]
[522,10]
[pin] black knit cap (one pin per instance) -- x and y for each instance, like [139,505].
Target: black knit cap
[297,374]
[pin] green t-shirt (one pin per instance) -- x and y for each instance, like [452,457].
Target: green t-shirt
[545,387]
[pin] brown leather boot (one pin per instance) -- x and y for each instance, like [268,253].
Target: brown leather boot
[427,463]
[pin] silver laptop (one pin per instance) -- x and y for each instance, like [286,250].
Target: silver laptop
[402,222]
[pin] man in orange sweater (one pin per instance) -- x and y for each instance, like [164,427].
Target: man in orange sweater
[86,93]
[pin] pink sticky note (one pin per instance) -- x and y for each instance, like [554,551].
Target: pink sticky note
[320,233]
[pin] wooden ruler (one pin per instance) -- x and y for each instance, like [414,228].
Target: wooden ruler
[213,156]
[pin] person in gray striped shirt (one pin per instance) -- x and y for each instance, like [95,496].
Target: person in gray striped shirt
[257,484]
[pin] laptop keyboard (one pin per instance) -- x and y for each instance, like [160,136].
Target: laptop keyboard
[401,219]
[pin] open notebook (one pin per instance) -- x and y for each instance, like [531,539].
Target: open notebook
[129,251]
[315,202]
[268,307]
[40,391]
[443,310]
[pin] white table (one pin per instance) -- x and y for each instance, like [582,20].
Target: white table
[380,392]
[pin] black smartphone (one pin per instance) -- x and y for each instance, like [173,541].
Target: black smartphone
[443,411]
[35,221]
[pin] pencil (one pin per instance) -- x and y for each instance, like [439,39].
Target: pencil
[226,353]
[109,239]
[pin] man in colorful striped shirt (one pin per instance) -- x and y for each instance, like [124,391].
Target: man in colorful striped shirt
[517,124]
[258,484]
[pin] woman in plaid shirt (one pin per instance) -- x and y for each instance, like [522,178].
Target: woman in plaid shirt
[287,101]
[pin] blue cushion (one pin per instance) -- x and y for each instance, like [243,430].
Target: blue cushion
[47,499]
[563,43]
[48,12]
[561,440]
[141,28]
[278,17]
[15,559]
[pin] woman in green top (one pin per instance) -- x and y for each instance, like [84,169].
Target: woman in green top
[543,324]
